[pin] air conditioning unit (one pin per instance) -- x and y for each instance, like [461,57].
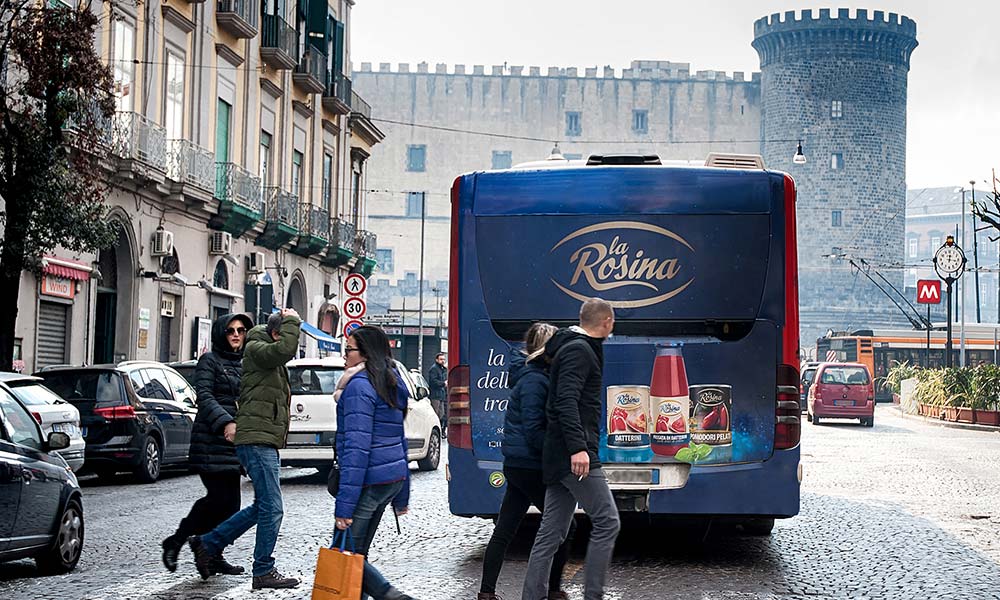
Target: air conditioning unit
[255,263]
[220,244]
[162,243]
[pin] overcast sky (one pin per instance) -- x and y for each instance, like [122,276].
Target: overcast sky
[953,125]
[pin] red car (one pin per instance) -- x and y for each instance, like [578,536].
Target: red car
[842,391]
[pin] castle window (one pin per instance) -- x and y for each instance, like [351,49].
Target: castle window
[836,161]
[384,258]
[836,109]
[501,159]
[414,204]
[913,247]
[573,124]
[836,218]
[416,157]
[640,121]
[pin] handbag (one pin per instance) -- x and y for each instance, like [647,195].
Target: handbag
[338,571]
[333,479]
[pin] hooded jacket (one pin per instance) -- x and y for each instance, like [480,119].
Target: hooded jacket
[217,382]
[574,401]
[264,393]
[524,423]
[371,443]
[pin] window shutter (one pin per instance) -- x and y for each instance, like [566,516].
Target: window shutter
[338,48]
[316,24]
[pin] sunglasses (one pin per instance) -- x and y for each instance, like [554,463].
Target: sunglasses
[239,330]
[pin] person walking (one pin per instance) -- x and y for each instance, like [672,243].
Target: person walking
[437,379]
[212,454]
[261,429]
[570,465]
[371,449]
[524,431]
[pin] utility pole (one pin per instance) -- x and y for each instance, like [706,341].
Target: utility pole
[420,319]
[964,297]
[975,250]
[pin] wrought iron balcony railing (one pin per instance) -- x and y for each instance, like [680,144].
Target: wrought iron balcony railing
[337,96]
[359,105]
[342,234]
[236,185]
[281,207]
[314,221]
[188,162]
[135,137]
[310,73]
[239,17]
[279,46]
[364,244]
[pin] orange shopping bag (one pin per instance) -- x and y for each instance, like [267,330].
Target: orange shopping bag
[338,570]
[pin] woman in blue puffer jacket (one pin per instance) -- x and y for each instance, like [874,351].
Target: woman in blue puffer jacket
[524,430]
[371,448]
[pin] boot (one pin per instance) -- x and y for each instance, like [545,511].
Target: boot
[274,580]
[488,596]
[202,558]
[560,595]
[222,566]
[171,549]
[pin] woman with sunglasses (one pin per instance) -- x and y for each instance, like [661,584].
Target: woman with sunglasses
[212,454]
[371,448]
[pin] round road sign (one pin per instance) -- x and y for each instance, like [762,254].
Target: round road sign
[354,308]
[355,284]
[350,326]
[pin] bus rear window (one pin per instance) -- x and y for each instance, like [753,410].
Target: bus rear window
[845,375]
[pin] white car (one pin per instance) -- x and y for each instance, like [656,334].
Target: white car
[52,413]
[314,417]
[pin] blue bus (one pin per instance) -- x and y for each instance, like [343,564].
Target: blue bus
[701,258]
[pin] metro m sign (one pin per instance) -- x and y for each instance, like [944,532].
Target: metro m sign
[929,291]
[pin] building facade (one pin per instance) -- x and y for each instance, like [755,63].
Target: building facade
[237,183]
[837,84]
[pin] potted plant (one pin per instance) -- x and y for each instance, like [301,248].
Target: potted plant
[987,390]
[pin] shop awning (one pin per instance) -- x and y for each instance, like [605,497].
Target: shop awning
[324,339]
[65,268]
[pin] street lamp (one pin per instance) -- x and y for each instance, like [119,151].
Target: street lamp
[799,158]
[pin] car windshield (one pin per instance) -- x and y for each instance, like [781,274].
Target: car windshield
[33,393]
[808,375]
[102,387]
[845,375]
[314,380]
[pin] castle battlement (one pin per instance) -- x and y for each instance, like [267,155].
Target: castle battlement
[792,21]
[639,69]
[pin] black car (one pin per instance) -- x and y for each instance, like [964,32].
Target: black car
[136,416]
[41,509]
[185,368]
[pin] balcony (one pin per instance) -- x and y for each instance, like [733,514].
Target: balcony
[314,229]
[190,164]
[364,248]
[278,43]
[340,249]
[239,194]
[311,71]
[359,106]
[136,138]
[360,122]
[281,218]
[337,96]
[238,17]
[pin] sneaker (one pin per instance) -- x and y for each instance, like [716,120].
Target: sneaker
[202,557]
[222,566]
[171,549]
[274,580]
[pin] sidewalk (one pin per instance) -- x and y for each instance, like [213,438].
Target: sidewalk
[943,423]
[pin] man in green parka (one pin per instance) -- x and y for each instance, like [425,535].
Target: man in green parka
[261,429]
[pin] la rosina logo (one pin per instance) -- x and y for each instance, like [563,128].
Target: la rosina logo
[628,263]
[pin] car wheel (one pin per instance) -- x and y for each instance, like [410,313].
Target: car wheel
[433,458]
[815,420]
[759,527]
[68,544]
[869,422]
[148,470]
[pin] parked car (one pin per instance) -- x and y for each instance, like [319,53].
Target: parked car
[51,412]
[136,416]
[808,374]
[314,416]
[41,508]
[420,382]
[842,390]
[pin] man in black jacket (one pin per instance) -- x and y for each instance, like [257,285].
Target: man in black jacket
[570,465]
[437,379]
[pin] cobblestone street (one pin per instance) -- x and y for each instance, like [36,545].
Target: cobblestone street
[906,510]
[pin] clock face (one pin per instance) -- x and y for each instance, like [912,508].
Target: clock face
[949,259]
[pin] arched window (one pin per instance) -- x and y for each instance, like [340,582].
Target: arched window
[221,278]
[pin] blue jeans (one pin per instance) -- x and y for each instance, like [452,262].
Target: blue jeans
[367,515]
[263,465]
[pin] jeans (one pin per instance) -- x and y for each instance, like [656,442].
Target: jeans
[221,501]
[524,488]
[262,464]
[365,521]
[594,497]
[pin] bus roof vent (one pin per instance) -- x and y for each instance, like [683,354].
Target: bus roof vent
[623,159]
[726,160]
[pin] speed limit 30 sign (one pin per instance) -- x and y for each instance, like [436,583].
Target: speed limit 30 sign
[354,308]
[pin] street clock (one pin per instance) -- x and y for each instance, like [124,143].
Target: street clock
[949,260]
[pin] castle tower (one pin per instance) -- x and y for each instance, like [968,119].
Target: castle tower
[839,86]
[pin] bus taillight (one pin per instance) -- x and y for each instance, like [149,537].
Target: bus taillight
[787,422]
[459,411]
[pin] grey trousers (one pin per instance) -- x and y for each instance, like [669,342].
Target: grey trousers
[594,497]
